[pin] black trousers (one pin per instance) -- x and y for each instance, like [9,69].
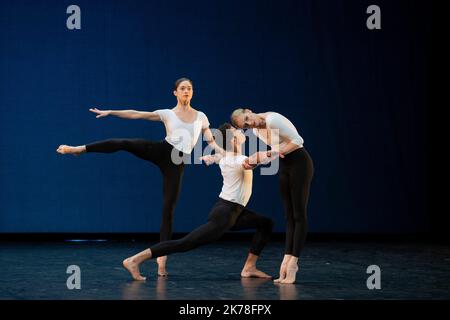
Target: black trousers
[296,173]
[224,216]
[159,153]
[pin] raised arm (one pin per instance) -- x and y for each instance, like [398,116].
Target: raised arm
[127,114]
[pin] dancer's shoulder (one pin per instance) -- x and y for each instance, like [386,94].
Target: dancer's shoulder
[201,114]
[276,120]
[203,118]
[272,115]
[164,113]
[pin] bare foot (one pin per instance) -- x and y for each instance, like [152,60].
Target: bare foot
[76,151]
[133,268]
[162,266]
[254,273]
[283,271]
[291,273]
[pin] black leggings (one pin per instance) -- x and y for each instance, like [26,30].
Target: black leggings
[159,153]
[224,216]
[296,172]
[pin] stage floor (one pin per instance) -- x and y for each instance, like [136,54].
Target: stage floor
[328,270]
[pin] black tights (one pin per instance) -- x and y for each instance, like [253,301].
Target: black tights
[159,153]
[224,216]
[296,172]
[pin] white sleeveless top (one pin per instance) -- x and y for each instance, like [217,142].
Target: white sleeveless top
[182,135]
[237,182]
[286,130]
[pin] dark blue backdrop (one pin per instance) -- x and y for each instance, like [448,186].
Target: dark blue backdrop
[358,97]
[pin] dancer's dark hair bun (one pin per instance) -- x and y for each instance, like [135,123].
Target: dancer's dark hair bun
[177,83]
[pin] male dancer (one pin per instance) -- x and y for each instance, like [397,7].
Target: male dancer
[229,212]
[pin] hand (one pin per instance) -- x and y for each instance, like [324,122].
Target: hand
[274,154]
[209,159]
[248,166]
[100,113]
[266,157]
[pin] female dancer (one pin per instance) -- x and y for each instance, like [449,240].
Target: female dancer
[229,212]
[183,127]
[296,172]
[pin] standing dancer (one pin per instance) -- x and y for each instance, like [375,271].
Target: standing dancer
[183,127]
[229,212]
[296,172]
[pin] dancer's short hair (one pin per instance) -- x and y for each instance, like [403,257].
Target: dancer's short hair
[236,113]
[223,137]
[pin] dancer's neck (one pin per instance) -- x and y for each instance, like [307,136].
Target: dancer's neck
[183,107]
[236,152]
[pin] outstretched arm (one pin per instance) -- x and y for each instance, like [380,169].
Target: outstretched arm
[262,157]
[127,114]
[212,158]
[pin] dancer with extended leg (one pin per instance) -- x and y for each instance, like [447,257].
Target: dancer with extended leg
[229,212]
[296,172]
[183,125]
